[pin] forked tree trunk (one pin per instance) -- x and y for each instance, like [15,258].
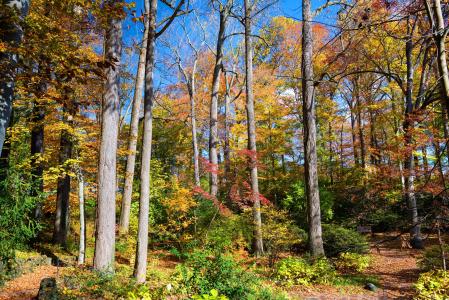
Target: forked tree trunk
[105,221]
[213,119]
[310,155]
[140,268]
[133,133]
[258,242]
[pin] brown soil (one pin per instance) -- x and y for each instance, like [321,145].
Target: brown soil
[26,287]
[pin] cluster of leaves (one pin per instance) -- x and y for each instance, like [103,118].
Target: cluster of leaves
[82,284]
[295,202]
[205,270]
[352,262]
[17,201]
[303,271]
[338,239]
[433,285]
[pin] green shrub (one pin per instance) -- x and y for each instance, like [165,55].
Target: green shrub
[204,271]
[433,285]
[338,239]
[352,262]
[295,202]
[229,233]
[300,271]
[431,258]
[383,220]
[214,295]
[279,233]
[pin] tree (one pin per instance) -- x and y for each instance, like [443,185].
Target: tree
[310,155]
[224,12]
[105,221]
[258,242]
[140,267]
[133,130]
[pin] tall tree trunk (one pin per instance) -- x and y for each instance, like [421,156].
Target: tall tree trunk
[82,233]
[62,217]
[11,34]
[227,132]
[213,134]
[354,138]
[409,172]
[105,221]
[37,150]
[196,153]
[440,32]
[310,155]
[133,133]
[258,242]
[140,268]
[360,124]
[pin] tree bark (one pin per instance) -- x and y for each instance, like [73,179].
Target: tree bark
[62,217]
[37,150]
[440,32]
[11,34]
[409,172]
[258,242]
[213,134]
[310,155]
[140,268]
[196,153]
[82,233]
[105,221]
[133,134]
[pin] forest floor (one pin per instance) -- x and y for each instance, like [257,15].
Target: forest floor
[395,269]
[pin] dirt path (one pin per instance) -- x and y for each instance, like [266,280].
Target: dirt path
[396,270]
[26,286]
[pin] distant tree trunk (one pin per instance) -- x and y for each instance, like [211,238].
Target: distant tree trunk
[11,33]
[62,217]
[105,221]
[354,138]
[196,153]
[360,124]
[82,242]
[190,83]
[140,267]
[310,155]
[409,172]
[37,150]
[227,146]
[258,242]
[133,133]
[213,134]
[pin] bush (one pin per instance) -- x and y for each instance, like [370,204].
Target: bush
[299,271]
[204,271]
[431,258]
[295,202]
[338,239]
[433,285]
[279,233]
[352,262]
[383,220]
[214,295]
[229,233]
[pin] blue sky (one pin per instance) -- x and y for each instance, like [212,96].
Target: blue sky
[132,31]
